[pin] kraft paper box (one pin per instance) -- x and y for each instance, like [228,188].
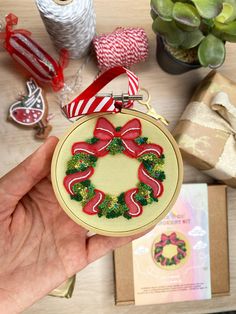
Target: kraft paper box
[65,290]
[219,263]
[206,131]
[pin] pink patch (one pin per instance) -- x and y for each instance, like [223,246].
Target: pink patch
[135,209]
[155,184]
[83,147]
[150,149]
[71,179]
[91,208]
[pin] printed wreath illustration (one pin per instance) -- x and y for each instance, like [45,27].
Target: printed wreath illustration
[110,140]
[166,240]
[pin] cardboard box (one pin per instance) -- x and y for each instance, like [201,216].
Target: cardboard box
[218,227]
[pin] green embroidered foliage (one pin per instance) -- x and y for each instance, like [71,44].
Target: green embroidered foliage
[77,197]
[71,171]
[121,198]
[118,128]
[141,199]
[159,175]
[92,140]
[145,194]
[80,162]
[144,187]
[84,192]
[113,207]
[116,146]
[86,183]
[152,159]
[141,140]
[158,249]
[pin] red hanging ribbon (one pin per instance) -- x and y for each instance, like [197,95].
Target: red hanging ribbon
[88,103]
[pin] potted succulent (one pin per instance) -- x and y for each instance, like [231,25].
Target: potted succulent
[192,33]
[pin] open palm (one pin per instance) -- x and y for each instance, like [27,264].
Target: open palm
[40,246]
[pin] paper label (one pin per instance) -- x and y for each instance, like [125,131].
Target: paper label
[172,262]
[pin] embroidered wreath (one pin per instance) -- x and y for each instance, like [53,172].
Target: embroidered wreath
[166,240]
[110,140]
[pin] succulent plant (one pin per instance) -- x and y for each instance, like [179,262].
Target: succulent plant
[204,25]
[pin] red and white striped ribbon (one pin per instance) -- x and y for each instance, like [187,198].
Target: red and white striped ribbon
[31,56]
[87,102]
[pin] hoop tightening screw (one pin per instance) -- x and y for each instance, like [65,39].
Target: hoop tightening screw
[123,97]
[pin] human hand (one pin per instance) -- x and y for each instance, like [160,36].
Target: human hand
[40,246]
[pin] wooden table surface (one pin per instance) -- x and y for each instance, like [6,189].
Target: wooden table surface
[94,291]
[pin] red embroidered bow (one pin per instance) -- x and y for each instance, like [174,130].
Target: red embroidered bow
[105,132]
[169,239]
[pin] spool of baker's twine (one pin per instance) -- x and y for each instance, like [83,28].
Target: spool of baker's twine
[70,24]
[123,47]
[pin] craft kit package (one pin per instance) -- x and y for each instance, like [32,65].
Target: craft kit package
[116,171]
[179,259]
[173,260]
[205,132]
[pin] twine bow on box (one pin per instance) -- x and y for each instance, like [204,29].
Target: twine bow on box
[221,104]
[206,135]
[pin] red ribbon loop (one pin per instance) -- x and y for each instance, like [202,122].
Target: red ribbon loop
[88,103]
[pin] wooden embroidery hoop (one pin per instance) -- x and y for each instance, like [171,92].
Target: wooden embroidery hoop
[86,225]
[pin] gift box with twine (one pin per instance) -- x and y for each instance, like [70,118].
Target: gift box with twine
[206,132]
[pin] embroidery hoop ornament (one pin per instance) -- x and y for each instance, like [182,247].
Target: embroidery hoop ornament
[110,140]
[120,226]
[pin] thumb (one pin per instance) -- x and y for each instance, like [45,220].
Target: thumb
[20,180]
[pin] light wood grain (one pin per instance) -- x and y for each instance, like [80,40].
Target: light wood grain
[94,291]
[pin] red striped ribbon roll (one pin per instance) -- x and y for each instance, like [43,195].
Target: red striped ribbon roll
[87,102]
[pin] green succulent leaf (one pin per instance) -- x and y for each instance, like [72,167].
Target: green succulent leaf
[153,14]
[227,32]
[163,8]
[228,14]
[211,52]
[192,39]
[226,28]
[172,34]
[208,8]
[186,14]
